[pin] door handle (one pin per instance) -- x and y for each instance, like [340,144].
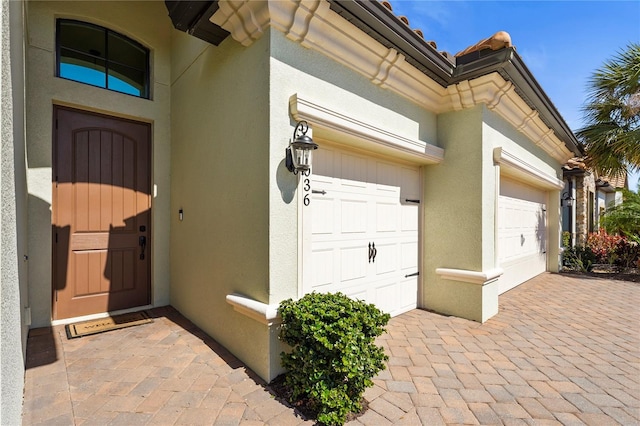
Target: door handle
[373,251]
[142,242]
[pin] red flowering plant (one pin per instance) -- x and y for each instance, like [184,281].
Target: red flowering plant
[604,246]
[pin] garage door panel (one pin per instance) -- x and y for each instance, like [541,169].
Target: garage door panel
[323,268]
[352,213]
[386,217]
[386,260]
[323,215]
[387,179]
[410,181]
[522,233]
[409,218]
[353,261]
[409,256]
[353,171]
[362,204]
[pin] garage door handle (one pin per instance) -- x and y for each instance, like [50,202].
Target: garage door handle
[372,252]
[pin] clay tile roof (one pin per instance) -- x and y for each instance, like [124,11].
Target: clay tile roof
[498,41]
[575,163]
[619,181]
[578,163]
[418,31]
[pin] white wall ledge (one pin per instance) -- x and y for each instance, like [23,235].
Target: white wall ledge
[473,277]
[324,117]
[514,166]
[261,312]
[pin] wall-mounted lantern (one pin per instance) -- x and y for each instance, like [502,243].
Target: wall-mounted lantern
[298,153]
[567,200]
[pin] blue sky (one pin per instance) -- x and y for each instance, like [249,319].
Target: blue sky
[562,42]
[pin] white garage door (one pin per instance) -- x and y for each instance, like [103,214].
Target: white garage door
[522,233]
[361,229]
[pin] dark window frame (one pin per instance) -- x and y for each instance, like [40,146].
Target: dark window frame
[145,93]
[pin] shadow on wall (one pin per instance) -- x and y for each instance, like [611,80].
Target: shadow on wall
[541,230]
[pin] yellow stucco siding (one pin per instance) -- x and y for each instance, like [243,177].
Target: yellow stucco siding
[220,179]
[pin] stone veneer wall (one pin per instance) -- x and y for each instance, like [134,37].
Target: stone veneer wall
[585,185]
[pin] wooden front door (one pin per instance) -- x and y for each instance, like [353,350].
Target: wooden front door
[101,213]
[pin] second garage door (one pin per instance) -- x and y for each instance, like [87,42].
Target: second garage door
[360,229]
[522,232]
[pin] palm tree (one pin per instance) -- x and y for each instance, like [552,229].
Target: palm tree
[612,135]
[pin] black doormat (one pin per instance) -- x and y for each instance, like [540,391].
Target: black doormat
[86,328]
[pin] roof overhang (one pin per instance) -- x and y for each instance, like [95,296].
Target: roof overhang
[508,63]
[397,64]
[192,17]
[381,24]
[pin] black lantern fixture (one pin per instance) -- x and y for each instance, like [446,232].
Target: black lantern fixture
[567,199]
[300,149]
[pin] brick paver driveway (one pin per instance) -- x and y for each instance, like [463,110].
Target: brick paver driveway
[562,350]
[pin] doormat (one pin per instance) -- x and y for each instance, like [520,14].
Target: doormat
[86,328]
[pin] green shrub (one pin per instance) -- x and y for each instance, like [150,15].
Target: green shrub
[333,356]
[604,246]
[578,258]
[627,253]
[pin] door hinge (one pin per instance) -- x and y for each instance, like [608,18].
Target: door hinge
[415,274]
[407,200]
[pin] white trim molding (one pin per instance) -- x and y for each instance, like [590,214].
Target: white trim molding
[473,277]
[501,97]
[514,166]
[323,117]
[315,26]
[261,312]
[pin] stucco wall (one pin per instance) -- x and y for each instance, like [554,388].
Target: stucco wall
[220,179]
[13,291]
[455,193]
[145,22]
[461,196]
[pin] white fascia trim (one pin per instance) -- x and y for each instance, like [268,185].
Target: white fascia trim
[261,312]
[515,166]
[323,117]
[315,26]
[473,277]
[501,97]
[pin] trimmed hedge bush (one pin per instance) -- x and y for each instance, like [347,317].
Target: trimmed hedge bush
[333,356]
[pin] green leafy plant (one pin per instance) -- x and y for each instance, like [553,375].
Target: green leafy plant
[333,356]
[578,259]
[624,218]
[627,253]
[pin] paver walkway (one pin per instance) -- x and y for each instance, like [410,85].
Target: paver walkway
[562,350]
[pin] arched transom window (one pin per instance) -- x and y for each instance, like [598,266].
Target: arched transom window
[100,57]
